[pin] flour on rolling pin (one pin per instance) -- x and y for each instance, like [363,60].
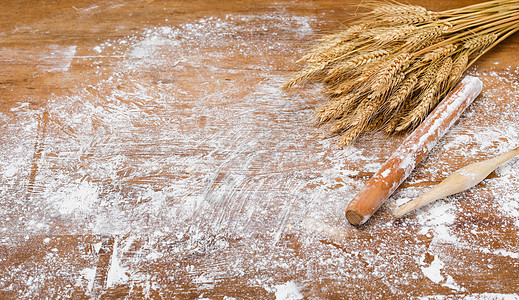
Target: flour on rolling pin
[414,148]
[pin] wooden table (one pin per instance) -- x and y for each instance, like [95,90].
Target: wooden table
[147,150]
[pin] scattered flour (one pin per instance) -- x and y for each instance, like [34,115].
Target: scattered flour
[492,296]
[89,275]
[78,199]
[117,274]
[288,291]
[57,58]
[433,271]
[435,274]
[213,195]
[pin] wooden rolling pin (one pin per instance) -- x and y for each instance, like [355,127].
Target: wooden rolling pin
[458,181]
[400,164]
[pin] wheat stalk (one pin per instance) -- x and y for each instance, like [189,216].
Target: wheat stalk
[390,69]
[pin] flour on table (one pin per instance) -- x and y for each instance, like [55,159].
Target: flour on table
[202,192]
[288,291]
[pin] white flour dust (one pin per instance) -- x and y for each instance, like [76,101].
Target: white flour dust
[233,161]
[288,291]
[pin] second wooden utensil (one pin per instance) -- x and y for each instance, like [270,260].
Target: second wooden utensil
[457,182]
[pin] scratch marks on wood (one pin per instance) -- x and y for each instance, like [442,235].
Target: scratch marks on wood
[197,174]
[105,251]
[51,58]
[116,272]
[36,160]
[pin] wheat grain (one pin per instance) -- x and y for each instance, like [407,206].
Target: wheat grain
[394,34]
[359,118]
[366,110]
[479,42]
[398,62]
[376,123]
[405,89]
[350,135]
[336,108]
[458,68]
[387,71]
[392,124]
[429,98]
[440,52]
[444,71]
[401,9]
[428,74]
[329,42]
[397,14]
[409,19]
[419,39]
[358,84]
[343,68]
[426,102]
[340,124]
[400,113]
[331,54]
[305,74]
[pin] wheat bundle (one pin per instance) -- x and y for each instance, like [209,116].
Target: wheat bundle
[389,69]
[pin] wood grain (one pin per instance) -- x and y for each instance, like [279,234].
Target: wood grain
[147,150]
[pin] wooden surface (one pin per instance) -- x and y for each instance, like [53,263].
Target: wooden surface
[146,150]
